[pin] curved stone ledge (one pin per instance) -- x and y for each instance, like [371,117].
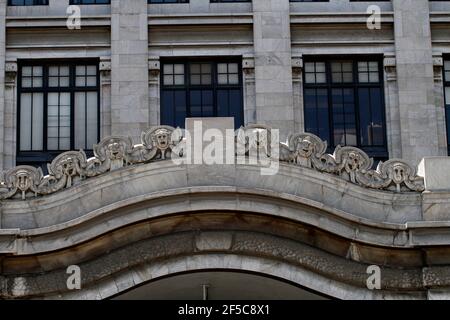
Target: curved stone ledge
[133,194]
[220,250]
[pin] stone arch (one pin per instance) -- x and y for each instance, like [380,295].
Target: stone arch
[268,245]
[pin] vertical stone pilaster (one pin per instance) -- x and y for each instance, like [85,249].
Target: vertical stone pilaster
[273,66]
[2,79]
[10,120]
[248,69]
[154,99]
[439,101]
[129,73]
[419,136]
[105,97]
[297,85]
[392,108]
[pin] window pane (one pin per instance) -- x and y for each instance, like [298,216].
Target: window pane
[25,121]
[38,121]
[80,120]
[58,121]
[86,108]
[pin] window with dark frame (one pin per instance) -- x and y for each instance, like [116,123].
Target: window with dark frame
[58,109]
[201,88]
[85,2]
[27,2]
[447,98]
[344,103]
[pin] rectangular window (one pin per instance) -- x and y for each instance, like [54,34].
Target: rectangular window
[90,2]
[201,89]
[447,98]
[344,103]
[59,106]
[168,1]
[27,2]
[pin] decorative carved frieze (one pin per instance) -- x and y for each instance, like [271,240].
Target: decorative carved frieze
[164,143]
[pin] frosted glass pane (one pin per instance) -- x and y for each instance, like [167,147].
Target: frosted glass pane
[447,95]
[64,144]
[179,80]
[52,144]
[81,82]
[64,71]
[233,79]
[38,121]
[168,80]
[37,71]
[81,70]
[91,70]
[222,68]
[309,78]
[223,79]
[364,77]
[91,81]
[65,99]
[374,77]
[26,71]
[179,69]
[80,141]
[320,78]
[37,82]
[320,66]
[53,71]
[53,82]
[92,121]
[26,82]
[233,68]
[168,69]
[53,99]
[64,132]
[64,81]
[25,122]
[309,67]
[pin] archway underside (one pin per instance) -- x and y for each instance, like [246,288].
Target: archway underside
[265,245]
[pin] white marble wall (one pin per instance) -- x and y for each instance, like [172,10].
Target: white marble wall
[129,73]
[273,65]
[415,78]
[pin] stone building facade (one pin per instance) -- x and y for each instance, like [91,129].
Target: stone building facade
[345,95]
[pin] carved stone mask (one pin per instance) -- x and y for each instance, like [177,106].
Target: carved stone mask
[69,166]
[116,151]
[305,147]
[398,173]
[161,138]
[23,180]
[354,161]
